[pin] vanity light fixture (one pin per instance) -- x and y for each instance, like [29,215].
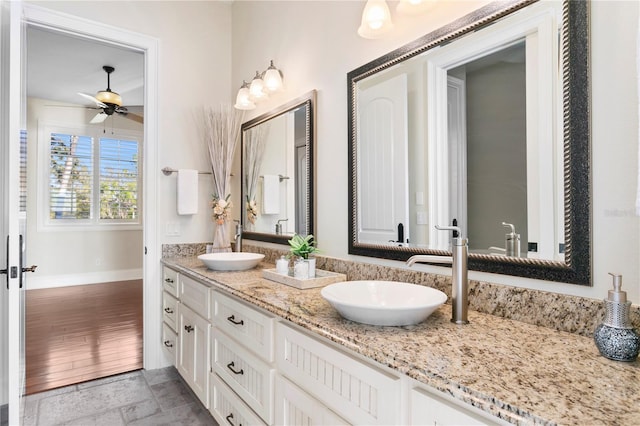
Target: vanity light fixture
[376,19]
[243,99]
[265,82]
[273,78]
[415,7]
[256,89]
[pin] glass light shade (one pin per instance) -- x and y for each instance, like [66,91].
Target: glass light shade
[376,19]
[415,7]
[256,90]
[109,97]
[243,99]
[272,79]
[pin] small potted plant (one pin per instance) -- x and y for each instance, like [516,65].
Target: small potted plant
[303,249]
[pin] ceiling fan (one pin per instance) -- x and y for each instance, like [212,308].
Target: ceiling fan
[109,102]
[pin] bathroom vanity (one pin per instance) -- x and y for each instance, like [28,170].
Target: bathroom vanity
[260,352]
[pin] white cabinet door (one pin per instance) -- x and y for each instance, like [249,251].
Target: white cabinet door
[296,407]
[193,351]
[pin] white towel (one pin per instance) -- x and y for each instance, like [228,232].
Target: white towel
[187,186]
[271,194]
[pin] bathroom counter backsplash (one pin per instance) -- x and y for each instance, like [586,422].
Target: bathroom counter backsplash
[523,373]
[561,312]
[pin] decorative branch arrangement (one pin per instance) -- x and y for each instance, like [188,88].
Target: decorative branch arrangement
[221,134]
[254,145]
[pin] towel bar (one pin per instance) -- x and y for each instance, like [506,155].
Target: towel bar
[280,176]
[168,170]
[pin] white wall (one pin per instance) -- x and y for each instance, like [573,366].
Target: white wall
[315,44]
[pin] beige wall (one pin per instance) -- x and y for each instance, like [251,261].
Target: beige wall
[315,44]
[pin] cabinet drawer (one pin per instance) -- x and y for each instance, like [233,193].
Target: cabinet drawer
[361,393]
[249,326]
[169,310]
[227,408]
[170,281]
[169,342]
[194,295]
[430,409]
[249,376]
[295,407]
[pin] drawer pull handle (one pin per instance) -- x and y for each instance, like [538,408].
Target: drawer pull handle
[234,371]
[188,328]
[168,310]
[229,418]
[169,280]
[232,319]
[168,343]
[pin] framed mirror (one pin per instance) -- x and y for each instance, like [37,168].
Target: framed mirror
[483,123]
[278,172]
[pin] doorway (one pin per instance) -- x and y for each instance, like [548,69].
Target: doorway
[84,181]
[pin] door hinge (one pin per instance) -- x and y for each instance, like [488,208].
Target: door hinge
[14,272]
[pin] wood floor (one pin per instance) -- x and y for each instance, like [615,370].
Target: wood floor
[80,333]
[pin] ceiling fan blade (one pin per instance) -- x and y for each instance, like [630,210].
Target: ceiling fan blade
[135,117]
[130,115]
[99,118]
[92,99]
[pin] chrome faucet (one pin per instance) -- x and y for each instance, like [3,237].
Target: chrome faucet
[238,237]
[459,280]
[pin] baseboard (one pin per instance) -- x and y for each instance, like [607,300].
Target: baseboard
[53,281]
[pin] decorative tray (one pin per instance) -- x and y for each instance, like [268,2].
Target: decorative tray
[322,279]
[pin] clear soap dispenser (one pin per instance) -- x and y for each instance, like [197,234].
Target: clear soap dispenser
[615,337]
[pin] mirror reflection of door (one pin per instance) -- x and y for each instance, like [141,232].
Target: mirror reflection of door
[383,210]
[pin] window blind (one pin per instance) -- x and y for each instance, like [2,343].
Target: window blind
[71,176]
[119,174]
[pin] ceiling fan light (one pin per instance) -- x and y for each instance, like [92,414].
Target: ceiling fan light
[243,98]
[272,79]
[376,19]
[256,89]
[415,7]
[109,97]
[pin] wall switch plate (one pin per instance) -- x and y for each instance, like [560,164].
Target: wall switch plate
[173,229]
[419,198]
[421,218]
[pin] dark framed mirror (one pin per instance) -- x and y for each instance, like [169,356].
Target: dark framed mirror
[277,165]
[485,121]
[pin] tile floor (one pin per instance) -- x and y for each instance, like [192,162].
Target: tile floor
[155,397]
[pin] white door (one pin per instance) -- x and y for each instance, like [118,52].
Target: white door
[12,226]
[383,185]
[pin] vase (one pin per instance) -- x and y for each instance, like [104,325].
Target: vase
[311,262]
[301,269]
[221,238]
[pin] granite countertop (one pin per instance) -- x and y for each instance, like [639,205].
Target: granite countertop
[522,373]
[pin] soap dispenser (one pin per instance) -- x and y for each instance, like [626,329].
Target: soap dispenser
[615,337]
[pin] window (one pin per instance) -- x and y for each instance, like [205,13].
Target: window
[93,180]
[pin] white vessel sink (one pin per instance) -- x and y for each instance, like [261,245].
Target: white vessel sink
[387,303]
[231,261]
